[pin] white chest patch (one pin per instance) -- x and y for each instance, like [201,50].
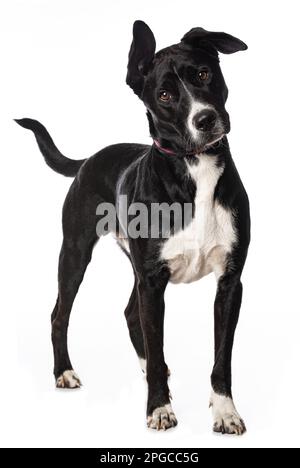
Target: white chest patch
[202,247]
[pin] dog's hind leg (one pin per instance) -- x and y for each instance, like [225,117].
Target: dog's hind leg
[79,239]
[134,325]
[74,258]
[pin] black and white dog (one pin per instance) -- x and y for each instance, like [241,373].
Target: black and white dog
[184,92]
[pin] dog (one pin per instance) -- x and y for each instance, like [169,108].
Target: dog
[189,163]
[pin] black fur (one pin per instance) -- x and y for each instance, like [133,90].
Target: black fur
[155,177]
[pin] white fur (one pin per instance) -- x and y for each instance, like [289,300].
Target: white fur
[68,379]
[202,247]
[195,108]
[143,364]
[162,418]
[226,418]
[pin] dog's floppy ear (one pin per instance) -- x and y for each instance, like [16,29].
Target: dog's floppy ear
[141,54]
[223,42]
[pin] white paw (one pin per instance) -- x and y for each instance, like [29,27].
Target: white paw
[226,418]
[68,379]
[162,418]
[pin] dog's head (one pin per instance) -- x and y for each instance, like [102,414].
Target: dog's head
[182,86]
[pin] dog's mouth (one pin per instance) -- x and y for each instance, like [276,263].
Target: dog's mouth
[216,142]
[213,144]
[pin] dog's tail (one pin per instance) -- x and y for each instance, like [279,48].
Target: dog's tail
[53,157]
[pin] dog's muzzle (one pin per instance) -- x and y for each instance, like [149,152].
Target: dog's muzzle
[205,120]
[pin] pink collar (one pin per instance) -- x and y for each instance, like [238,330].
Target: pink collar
[162,149]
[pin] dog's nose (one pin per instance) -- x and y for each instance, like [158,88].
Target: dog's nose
[205,120]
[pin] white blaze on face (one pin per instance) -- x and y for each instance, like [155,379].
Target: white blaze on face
[196,108]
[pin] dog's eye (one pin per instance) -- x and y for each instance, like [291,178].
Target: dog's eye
[164,96]
[204,75]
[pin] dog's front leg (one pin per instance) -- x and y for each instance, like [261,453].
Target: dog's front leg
[151,288]
[227,308]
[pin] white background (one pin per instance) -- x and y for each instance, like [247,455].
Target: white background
[64,62]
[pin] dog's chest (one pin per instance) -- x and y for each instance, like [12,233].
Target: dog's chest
[203,246]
